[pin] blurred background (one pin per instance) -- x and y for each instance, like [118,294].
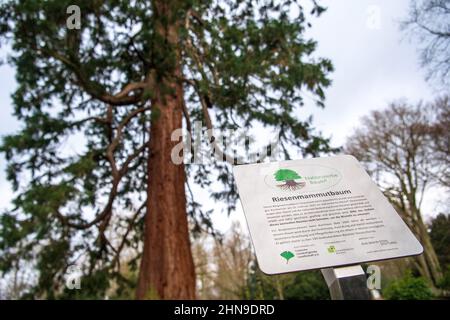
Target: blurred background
[387,103]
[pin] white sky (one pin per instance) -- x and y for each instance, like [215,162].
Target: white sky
[373,63]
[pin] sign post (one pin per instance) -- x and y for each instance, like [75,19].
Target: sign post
[347,283]
[321,213]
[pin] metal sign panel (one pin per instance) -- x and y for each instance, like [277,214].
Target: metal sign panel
[319,213]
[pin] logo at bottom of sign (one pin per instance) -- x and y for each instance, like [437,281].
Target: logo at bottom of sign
[287,255]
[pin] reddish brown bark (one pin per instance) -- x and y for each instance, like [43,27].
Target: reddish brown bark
[167,268]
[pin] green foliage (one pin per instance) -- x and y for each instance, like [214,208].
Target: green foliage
[308,285]
[126,283]
[440,237]
[93,286]
[444,283]
[286,174]
[408,288]
[256,65]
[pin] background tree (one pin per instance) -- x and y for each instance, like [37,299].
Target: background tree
[305,285]
[440,133]
[396,146]
[233,258]
[228,269]
[428,21]
[15,285]
[204,267]
[118,87]
[440,237]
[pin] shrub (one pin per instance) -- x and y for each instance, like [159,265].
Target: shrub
[408,288]
[445,281]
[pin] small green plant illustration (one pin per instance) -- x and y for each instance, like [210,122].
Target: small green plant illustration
[331,249]
[287,255]
[288,176]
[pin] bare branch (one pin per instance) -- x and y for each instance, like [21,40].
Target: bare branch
[117,174]
[119,249]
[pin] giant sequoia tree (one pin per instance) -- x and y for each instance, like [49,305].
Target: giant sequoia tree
[119,86]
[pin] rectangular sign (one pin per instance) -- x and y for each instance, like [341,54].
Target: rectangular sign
[319,213]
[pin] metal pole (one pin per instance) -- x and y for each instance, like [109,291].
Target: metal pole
[347,283]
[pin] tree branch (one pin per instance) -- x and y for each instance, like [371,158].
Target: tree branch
[119,249]
[119,99]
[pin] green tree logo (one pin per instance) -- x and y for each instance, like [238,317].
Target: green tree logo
[287,255]
[331,249]
[289,177]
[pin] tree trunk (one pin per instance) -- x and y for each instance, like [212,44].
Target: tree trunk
[167,268]
[429,255]
[427,263]
[279,286]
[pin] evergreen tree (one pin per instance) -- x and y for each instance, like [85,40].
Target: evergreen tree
[120,85]
[440,238]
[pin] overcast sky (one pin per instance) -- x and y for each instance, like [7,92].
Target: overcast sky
[373,62]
